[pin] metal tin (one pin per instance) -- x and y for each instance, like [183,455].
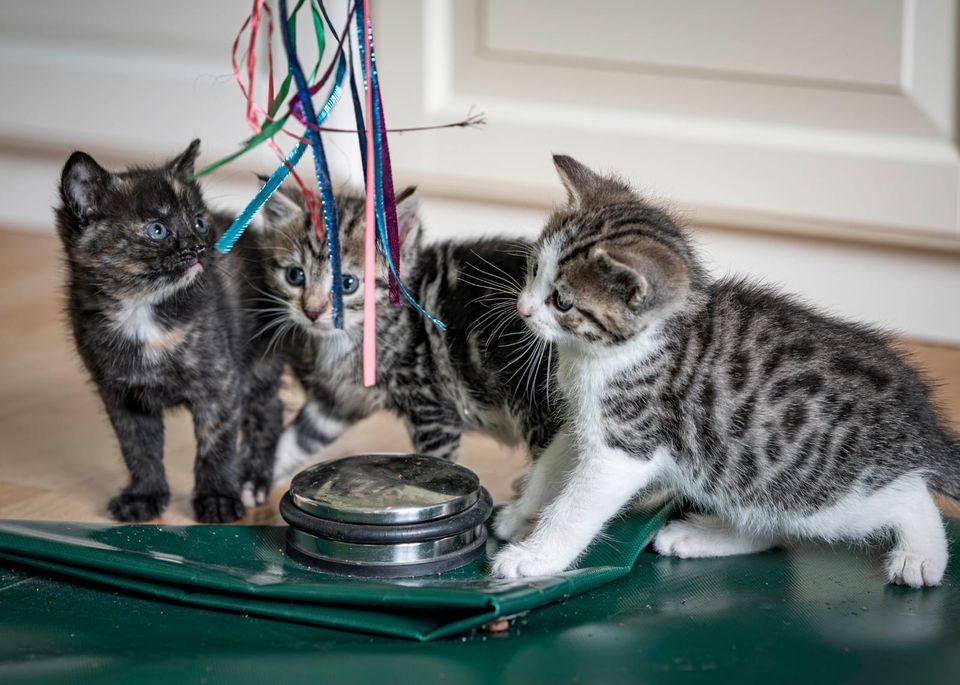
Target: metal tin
[384,534]
[384,555]
[386,515]
[302,547]
[385,489]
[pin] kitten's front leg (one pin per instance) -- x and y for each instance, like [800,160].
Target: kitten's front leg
[216,496]
[541,485]
[600,484]
[140,433]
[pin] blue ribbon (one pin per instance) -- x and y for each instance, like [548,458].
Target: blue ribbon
[320,167]
[239,225]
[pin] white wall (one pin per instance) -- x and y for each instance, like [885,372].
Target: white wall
[776,128]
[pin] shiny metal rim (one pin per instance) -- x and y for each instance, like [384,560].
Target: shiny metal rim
[383,555]
[385,516]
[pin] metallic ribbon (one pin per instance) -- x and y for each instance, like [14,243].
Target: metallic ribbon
[321,169]
[247,90]
[272,126]
[239,225]
[383,196]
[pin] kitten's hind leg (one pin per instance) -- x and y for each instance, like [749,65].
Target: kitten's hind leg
[542,483]
[903,507]
[435,431]
[313,429]
[707,536]
[920,555]
[442,442]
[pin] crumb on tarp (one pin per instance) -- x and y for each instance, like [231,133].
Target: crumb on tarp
[498,625]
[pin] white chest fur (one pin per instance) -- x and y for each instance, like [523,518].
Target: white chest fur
[135,320]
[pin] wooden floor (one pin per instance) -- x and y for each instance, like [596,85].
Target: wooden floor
[59,458]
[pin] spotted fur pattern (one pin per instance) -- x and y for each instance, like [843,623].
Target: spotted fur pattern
[486,372]
[156,320]
[780,419]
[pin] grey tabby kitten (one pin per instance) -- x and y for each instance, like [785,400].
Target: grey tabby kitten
[483,373]
[783,421]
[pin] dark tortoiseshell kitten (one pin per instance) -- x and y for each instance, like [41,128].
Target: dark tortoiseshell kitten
[156,321]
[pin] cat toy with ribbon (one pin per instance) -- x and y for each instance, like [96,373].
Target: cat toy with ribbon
[381,230]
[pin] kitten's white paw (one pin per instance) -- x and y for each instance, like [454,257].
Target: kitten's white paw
[914,570]
[520,561]
[290,456]
[511,524]
[253,497]
[246,496]
[681,539]
[685,540]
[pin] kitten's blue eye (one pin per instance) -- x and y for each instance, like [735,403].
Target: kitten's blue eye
[560,302]
[295,276]
[200,225]
[155,231]
[350,283]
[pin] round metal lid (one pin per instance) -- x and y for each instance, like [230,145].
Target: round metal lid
[385,489]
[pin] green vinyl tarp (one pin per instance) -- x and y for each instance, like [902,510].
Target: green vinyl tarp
[806,614]
[245,569]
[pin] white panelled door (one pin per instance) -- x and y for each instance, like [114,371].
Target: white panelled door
[834,117]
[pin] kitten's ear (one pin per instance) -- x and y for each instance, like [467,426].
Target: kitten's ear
[183,164]
[408,212]
[283,205]
[624,274]
[83,185]
[580,181]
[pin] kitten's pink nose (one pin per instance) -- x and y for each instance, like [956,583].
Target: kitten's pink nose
[313,314]
[524,310]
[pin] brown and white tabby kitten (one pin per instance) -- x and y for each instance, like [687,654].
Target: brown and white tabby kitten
[782,421]
[156,322]
[483,373]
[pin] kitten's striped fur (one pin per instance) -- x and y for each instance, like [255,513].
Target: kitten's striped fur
[781,420]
